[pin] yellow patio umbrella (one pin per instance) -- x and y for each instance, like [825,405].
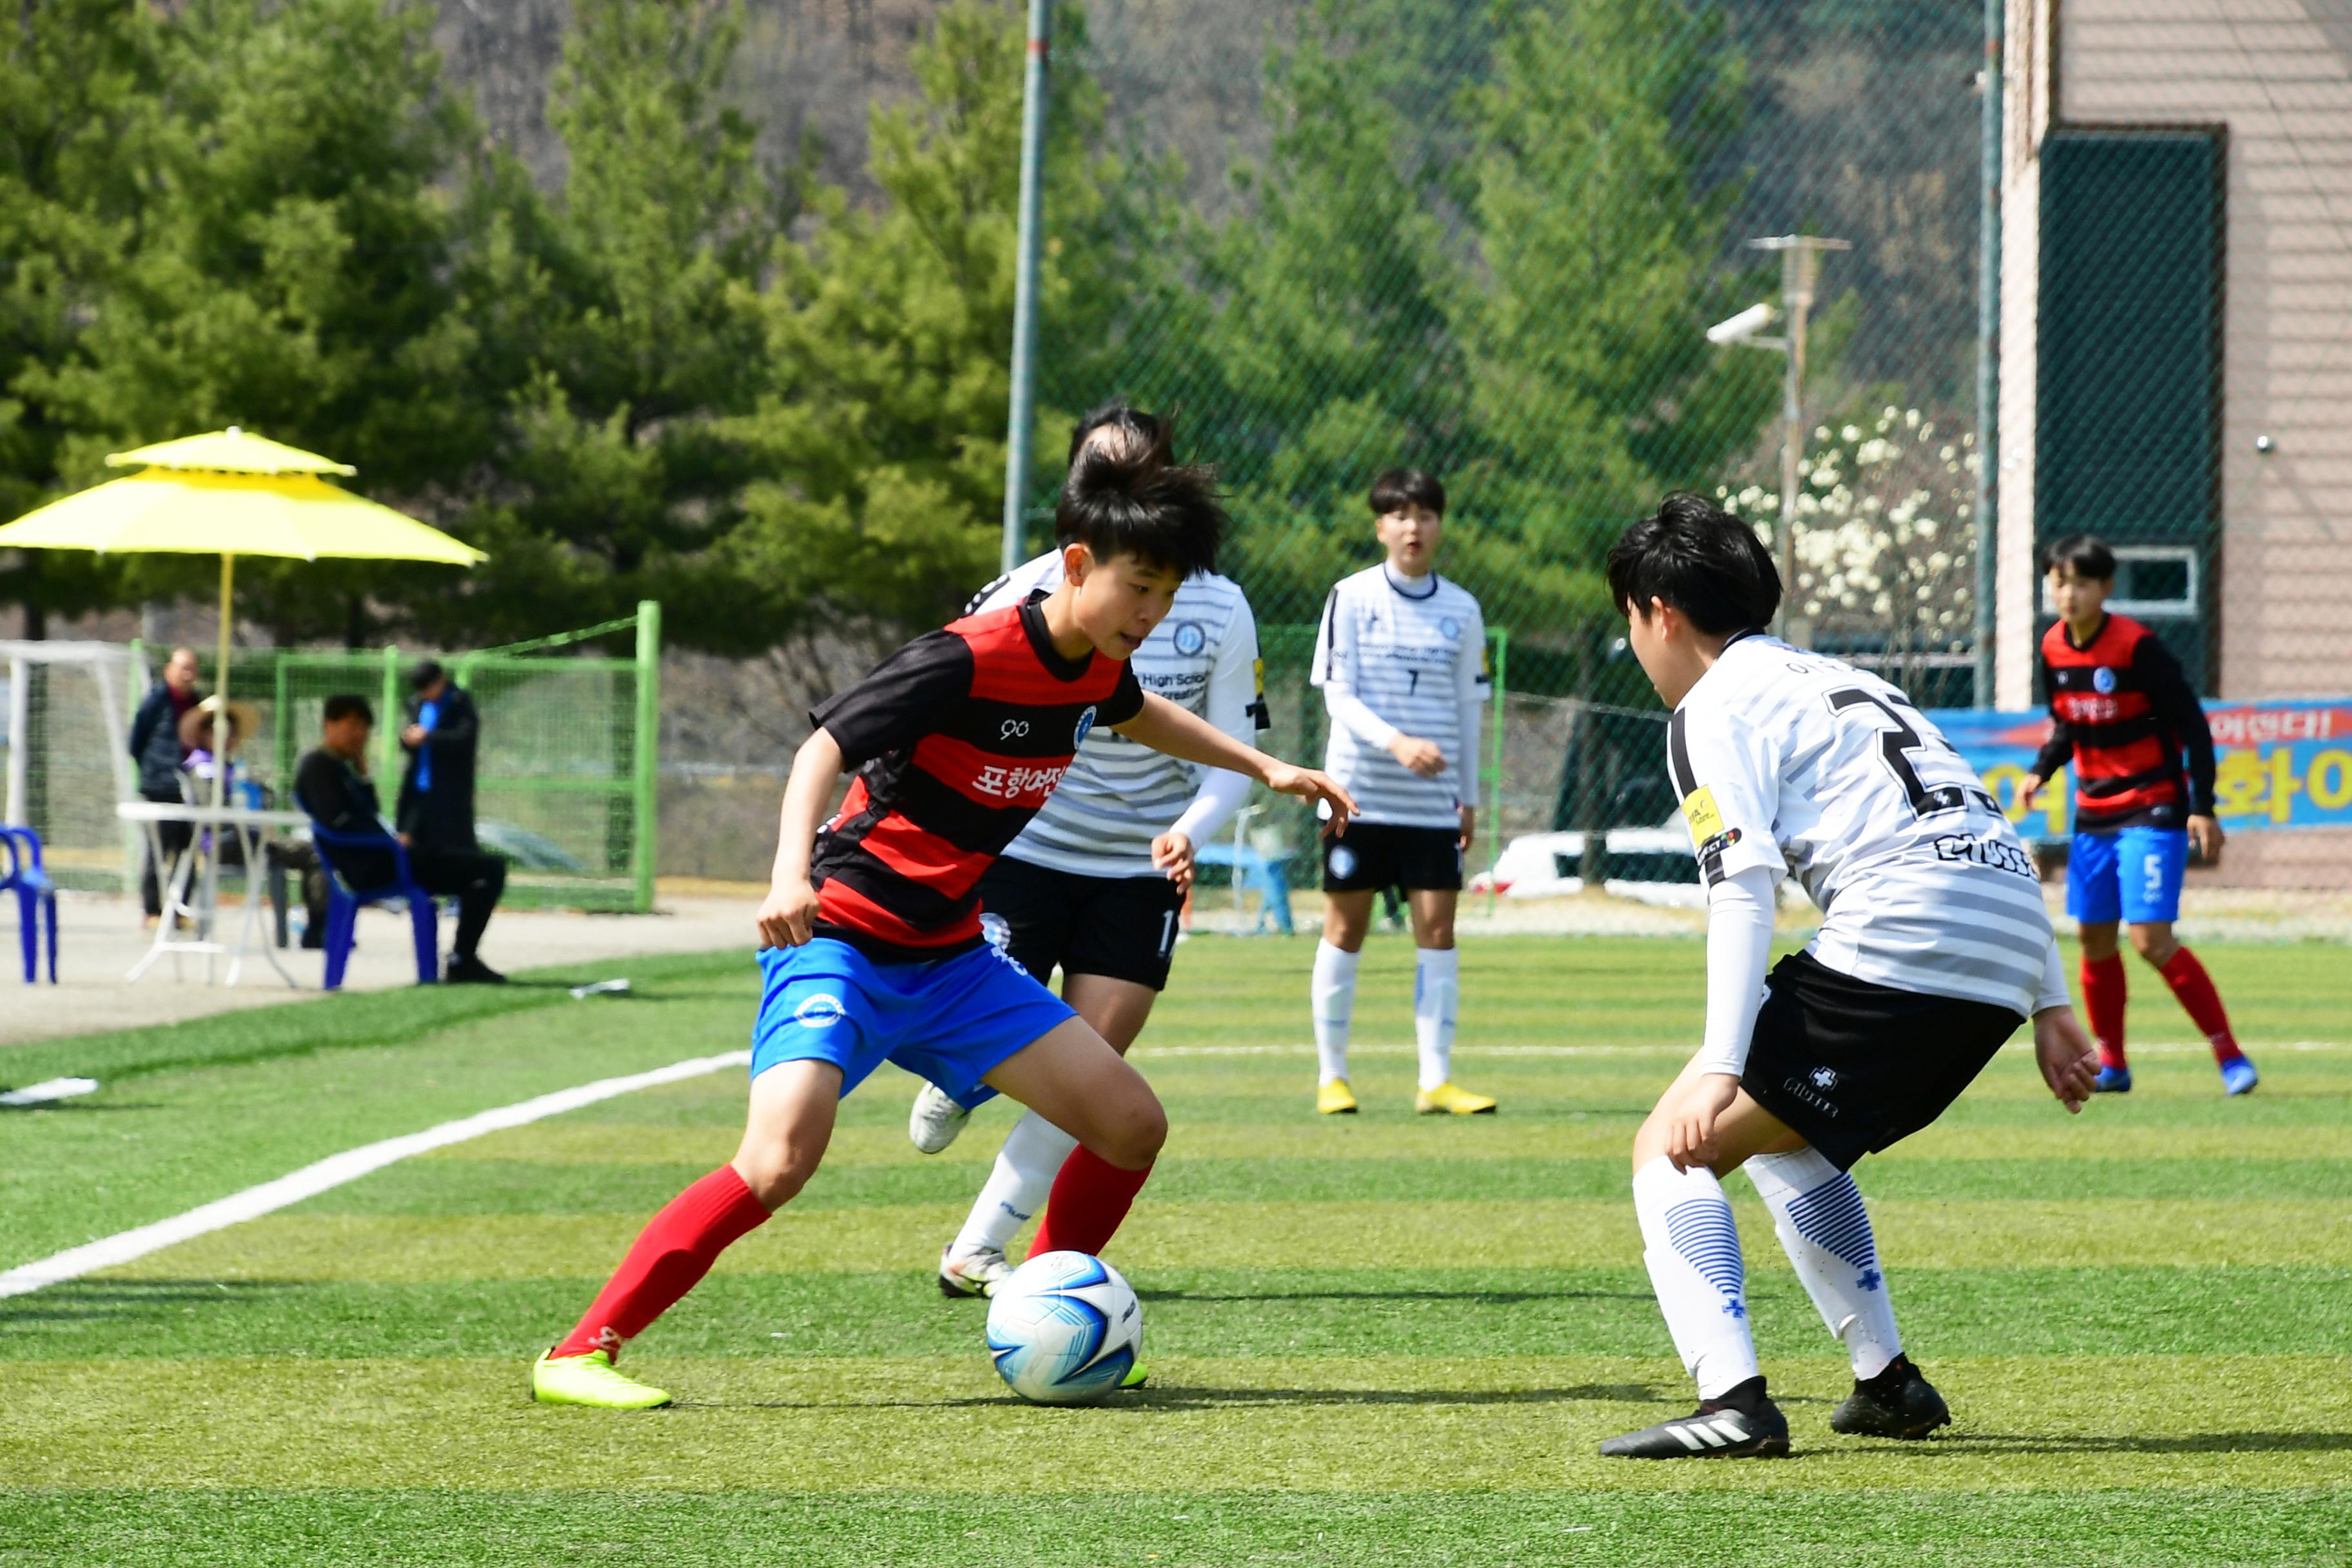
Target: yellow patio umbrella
[229,494]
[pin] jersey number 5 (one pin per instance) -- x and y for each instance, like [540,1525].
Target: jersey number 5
[1895,746]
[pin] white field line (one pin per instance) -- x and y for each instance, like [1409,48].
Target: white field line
[334,1171]
[2159,1048]
[50,1090]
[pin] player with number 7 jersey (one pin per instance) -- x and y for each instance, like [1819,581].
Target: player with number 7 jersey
[1934,947]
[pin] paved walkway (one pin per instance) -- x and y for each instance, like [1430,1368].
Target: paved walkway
[100,939]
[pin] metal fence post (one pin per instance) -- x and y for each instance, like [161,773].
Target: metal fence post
[1024,414]
[645,755]
[387,723]
[1986,514]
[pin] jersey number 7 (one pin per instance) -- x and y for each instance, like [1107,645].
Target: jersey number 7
[1894,748]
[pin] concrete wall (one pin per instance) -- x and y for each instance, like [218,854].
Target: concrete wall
[2278,75]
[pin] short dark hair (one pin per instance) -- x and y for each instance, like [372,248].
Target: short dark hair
[1144,426]
[2085,555]
[1699,559]
[349,705]
[1140,502]
[423,673]
[1401,487]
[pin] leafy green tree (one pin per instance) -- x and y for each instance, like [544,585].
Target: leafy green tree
[78,79]
[289,275]
[622,315]
[882,432]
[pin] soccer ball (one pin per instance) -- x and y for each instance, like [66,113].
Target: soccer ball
[1064,1329]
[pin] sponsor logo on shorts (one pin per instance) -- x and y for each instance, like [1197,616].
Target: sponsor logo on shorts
[822,1011]
[1342,862]
[997,932]
[1825,1078]
[1805,1092]
[1190,638]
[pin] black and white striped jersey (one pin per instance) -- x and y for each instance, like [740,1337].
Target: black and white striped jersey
[1120,794]
[1415,653]
[1806,766]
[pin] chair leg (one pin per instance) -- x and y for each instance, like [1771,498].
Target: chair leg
[341,915]
[49,903]
[425,921]
[28,935]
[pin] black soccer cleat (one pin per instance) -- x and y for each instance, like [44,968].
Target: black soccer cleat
[1716,1430]
[1898,1402]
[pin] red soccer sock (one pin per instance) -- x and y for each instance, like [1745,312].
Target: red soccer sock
[671,1255]
[1090,1198]
[2201,1002]
[2103,998]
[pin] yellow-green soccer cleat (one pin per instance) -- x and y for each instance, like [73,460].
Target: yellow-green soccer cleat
[589,1380]
[1449,1099]
[1335,1099]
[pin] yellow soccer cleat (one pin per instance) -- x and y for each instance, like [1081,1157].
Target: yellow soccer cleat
[589,1380]
[1449,1099]
[1336,1099]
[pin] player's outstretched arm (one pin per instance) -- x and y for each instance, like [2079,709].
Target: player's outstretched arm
[787,916]
[1164,727]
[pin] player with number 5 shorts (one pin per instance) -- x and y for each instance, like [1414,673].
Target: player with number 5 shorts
[1095,884]
[2124,717]
[1934,946]
[871,942]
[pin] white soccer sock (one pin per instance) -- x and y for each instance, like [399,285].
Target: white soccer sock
[1826,1233]
[1436,997]
[1692,1247]
[1335,1004]
[1018,1186]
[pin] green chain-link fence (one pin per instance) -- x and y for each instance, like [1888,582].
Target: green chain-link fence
[566,767]
[1488,240]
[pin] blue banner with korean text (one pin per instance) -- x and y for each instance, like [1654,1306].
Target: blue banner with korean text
[2276,764]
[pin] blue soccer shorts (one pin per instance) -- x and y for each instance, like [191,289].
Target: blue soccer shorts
[2131,875]
[952,1020]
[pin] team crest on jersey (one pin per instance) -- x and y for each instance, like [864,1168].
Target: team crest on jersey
[1190,638]
[1085,724]
[822,1011]
[2102,679]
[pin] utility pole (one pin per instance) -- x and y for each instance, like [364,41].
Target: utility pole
[1986,514]
[1800,268]
[1022,415]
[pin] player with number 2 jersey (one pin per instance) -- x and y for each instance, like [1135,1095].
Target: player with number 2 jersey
[1934,946]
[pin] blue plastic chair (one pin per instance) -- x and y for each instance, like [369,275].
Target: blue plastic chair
[1266,875]
[30,882]
[343,902]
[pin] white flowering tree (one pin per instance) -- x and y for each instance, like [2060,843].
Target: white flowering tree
[1886,539]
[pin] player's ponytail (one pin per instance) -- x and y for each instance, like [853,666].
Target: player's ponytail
[1127,495]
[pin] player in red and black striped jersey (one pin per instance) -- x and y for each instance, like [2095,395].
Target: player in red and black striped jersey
[2125,718]
[872,948]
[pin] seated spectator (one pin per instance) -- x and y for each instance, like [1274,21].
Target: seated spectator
[207,740]
[332,785]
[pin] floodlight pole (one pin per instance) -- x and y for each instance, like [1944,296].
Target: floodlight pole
[1800,268]
[1022,415]
[1988,489]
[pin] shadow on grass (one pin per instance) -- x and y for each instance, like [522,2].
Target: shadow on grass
[1484,1298]
[107,1300]
[2105,1443]
[1156,1397]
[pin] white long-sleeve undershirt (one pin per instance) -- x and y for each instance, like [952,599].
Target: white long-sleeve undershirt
[1739,911]
[1223,792]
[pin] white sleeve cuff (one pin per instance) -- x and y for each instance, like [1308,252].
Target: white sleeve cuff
[2053,982]
[1352,713]
[1223,792]
[1738,949]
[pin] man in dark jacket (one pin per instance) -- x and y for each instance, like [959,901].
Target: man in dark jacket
[436,791]
[155,748]
[332,785]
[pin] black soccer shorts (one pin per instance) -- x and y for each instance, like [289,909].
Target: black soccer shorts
[1374,855]
[1855,1067]
[1121,927]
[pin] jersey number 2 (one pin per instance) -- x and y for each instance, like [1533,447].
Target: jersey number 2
[1895,746]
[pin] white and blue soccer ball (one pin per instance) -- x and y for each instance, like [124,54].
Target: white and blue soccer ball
[1065,1328]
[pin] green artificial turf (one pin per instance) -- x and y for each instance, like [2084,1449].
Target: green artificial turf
[1382,1339]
